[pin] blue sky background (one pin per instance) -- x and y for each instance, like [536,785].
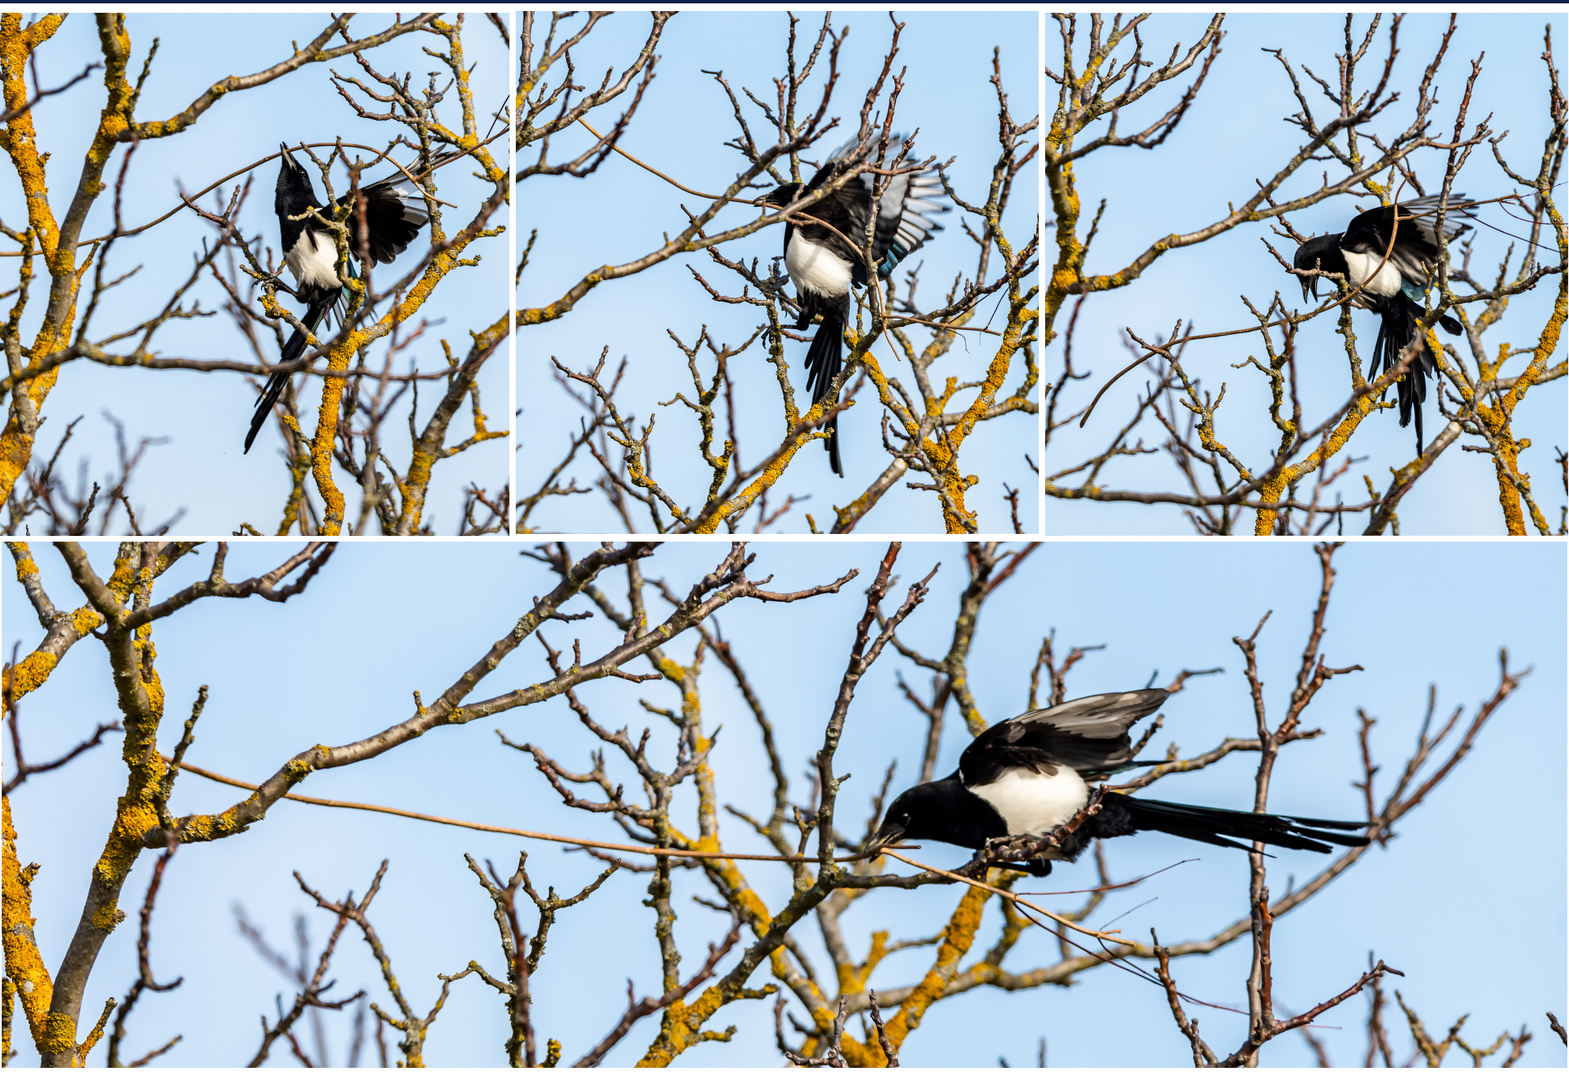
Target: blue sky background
[622,212]
[1468,901]
[1236,131]
[204,416]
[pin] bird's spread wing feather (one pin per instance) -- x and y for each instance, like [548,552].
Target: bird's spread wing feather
[1099,716]
[903,224]
[1416,242]
[1088,735]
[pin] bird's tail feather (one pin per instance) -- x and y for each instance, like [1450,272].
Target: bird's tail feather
[823,360]
[292,350]
[269,397]
[1397,326]
[1224,828]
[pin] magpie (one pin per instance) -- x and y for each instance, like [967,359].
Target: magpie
[1026,776]
[824,256]
[1395,289]
[393,216]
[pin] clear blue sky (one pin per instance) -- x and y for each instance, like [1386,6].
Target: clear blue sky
[1468,901]
[204,415]
[622,212]
[1235,132]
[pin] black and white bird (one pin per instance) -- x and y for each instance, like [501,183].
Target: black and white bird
[394,214]
[1026,776]
[1395,289]
[824,261]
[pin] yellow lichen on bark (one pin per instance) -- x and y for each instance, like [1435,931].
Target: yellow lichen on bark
[27,675]
[1070,253]
[957,938]
[681,1027]
[1273,487]
[765,481]
[57,1034]
[326,434]
[852,978]
[1498,417]
[18,138]
[85,619]
[59,249]
[25,566]
[943,452]
[23,964]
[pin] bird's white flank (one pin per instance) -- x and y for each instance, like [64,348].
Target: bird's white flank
[816,269]
[1032,803]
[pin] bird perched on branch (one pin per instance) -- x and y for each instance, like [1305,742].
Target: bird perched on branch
[824,253]
[1395,288]
[394,214]
[1027,776]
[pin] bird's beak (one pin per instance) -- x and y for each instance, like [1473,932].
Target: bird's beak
[1310,289]
[780,196]
[885,836]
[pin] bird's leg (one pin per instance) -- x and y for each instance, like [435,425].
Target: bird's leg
[1035,868]
[1006,852]
[278,283]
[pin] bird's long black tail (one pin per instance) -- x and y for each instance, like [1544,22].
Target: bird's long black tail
[1224,828]
[292,349]
[1397,326]
[823,361]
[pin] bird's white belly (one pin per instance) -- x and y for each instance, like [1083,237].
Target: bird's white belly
[816,268]
[1360,267]
[1034,804]
[313,262]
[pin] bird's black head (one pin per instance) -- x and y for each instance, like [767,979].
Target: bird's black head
[896,822]
[783,195]
[294,191]
[939,810]
[1319,253]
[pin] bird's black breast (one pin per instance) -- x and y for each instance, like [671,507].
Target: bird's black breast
[294,197]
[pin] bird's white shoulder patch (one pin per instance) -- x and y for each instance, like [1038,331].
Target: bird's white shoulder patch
[1033,804]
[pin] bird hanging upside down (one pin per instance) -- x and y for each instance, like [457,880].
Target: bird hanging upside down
[1396,288]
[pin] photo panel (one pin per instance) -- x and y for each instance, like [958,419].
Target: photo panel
[754,782]
[768,235]
[258,274]
[1244,336]
[629,794]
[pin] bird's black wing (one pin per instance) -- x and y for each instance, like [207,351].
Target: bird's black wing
[834,210]
[393,217]
[902,221]
[1088,735]
[1416,243]
[395,211]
